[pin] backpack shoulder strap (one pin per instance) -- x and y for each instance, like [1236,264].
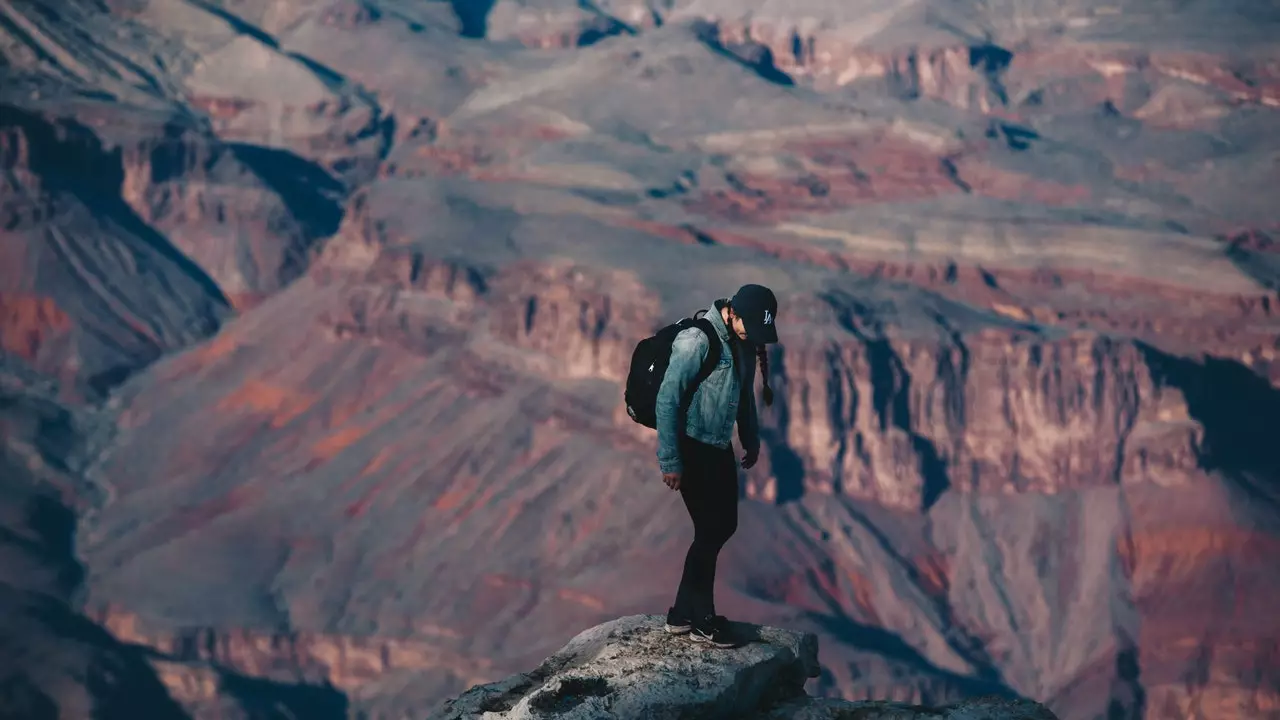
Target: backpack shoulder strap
[708,363]
[713,351]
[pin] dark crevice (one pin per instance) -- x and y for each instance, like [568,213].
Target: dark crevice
[503,701]
[387,131]
[906,85]
[786,464]
[415,268]
[328,76]
[30,44]
[698,236]
[741,187]
[602,27]
[530,313]
[893,647]
[69,158]
[51,656]
[1016,137]
[102,382]
[680,186]
[839,384]
[473,17]
[312,195]
[753,55]
[1255,254]
[892,383]
[1126,695]
[989,58]
[45,524]
[1128,698]
[568,694]
[891,396]
[372,12]
[992,60]
[119,681]
[953,174]
[1240,412]
[73,165]
[71,161]
[267,700]
[237,24]
[170,160]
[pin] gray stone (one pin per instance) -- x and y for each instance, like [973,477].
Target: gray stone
[630,668]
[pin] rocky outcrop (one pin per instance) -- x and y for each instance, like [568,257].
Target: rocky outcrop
[900,420]
[876,412]
[998,459]
[563,319]
[252,217]
[1013,69]
[89,292]
[542,24]
[873,413]
[630,668]
[345,662]
[584,321]
[829,58]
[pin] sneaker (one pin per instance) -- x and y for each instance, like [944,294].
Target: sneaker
[712,630]
[677,624]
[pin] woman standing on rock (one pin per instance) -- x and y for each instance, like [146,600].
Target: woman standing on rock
[697,459]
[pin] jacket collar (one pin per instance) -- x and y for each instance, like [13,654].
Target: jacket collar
[717,321]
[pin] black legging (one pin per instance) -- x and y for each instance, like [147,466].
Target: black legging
[709,487]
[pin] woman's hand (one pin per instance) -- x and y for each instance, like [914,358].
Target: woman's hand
[672,480]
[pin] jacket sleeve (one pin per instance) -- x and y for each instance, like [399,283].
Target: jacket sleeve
[748,418]
[687,353]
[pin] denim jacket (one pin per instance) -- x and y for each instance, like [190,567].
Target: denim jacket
[725,397]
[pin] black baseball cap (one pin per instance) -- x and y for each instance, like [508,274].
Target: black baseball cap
[758,308]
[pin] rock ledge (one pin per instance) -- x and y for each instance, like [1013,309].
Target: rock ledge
[630,668]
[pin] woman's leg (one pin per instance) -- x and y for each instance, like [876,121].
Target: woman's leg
[710,493]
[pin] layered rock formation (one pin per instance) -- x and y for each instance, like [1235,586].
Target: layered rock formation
[343,292]
[89,293]
[250,217]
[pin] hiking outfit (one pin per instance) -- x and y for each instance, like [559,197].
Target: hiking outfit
[695,424]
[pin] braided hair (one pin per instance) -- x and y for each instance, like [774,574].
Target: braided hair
[762,359]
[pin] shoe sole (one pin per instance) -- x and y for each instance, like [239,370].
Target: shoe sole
[678,629]
[704,640]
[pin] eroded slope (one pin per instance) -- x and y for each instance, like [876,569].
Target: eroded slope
[1007,236]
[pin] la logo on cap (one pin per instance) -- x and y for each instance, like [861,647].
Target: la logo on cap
[768,318]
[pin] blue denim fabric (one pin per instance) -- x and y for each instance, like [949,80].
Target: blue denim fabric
[726,397]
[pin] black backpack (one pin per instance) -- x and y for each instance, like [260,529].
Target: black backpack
[649,365]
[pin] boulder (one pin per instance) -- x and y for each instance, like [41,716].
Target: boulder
[631,668]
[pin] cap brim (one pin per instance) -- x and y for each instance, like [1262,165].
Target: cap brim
[762,334]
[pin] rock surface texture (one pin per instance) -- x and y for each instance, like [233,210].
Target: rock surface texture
[314,315]
[631,668]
